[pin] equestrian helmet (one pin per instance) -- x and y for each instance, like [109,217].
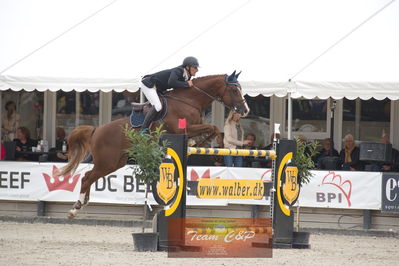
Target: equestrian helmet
[190,61]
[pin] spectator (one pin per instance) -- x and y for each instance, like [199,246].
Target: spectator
[56,154]
[250,161]
[268,163]
[60,138]
[200,159]
[325,151]
[233,139]
[349,155]
[10,121]
[23,144]
[217,160]
[389,166]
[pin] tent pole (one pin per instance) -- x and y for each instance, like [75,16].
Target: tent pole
[289,120]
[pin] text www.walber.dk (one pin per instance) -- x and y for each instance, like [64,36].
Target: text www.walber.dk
[230,189]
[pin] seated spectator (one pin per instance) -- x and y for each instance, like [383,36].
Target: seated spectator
[389,166]
[56,154]
[23,144]
[200,159]
[325,151]
[268,163]
[250,161]
[217,160]
[349,155]
[60,138]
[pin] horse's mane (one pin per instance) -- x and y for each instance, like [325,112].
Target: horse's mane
[208,77]
[200,79]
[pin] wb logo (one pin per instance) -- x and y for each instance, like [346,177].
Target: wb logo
[166,186]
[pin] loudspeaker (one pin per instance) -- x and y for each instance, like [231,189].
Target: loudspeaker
[375,151]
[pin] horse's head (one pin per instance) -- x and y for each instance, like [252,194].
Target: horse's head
[233,97]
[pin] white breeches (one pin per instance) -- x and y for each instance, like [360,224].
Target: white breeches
[152,96]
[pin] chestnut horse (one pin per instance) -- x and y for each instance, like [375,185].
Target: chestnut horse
[107,143]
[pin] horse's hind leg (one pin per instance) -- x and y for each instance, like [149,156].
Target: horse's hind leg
[89,178]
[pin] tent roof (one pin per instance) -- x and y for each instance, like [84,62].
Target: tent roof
[270,41]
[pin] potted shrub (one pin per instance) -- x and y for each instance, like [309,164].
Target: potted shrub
[148,152]
[303,160]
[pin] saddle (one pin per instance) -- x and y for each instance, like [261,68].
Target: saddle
[139,111]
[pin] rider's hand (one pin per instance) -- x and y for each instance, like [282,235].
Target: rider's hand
[190,83]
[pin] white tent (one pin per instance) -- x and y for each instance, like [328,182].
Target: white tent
[69,45]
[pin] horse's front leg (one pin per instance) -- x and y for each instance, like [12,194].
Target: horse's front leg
[202,133]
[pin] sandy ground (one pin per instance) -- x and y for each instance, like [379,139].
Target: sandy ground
[55,244]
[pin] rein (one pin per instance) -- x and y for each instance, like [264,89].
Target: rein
[182,101]
[220,99]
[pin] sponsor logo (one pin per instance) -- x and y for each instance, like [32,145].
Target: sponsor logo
[230,189]
[344,189]
[166,186]
[221,237]
[194,175]
[267,176]
[66,182]
[290,185]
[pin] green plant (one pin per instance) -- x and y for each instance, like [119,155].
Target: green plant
[147,151]
[303,159]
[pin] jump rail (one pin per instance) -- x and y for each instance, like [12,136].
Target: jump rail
[233,152]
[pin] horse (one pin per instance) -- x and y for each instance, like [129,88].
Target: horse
[107,143]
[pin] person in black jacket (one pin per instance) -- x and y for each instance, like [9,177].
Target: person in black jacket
[178,77]
[349,155]
[325,152]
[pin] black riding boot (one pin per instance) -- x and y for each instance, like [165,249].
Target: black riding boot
[150,116]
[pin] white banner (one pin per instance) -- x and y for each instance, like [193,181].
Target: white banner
[35,181]
[342,189]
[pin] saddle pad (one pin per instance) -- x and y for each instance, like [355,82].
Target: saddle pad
[137,116]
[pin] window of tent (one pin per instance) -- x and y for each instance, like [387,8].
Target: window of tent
[77,108]
[258,119]
[366,120]
[121,103]
[29,108]
[308,116]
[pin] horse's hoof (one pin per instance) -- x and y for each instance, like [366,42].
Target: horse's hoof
[72,214]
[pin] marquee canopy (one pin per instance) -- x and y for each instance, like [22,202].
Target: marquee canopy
[270,41]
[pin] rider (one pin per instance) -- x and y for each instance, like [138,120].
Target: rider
[178,77]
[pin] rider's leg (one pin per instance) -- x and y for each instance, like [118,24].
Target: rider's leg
[152,96]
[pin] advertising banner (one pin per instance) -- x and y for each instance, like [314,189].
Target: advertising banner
[342,189]
[390,193]
[30,181]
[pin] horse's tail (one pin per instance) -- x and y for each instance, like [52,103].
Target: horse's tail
[78,148]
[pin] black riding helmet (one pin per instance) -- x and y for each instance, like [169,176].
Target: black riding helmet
[190,61]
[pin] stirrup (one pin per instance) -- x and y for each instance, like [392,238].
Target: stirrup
[144,131]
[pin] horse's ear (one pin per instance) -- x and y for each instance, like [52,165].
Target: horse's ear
[238,74]
[232,76]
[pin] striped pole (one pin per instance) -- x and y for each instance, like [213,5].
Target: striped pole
[233,152]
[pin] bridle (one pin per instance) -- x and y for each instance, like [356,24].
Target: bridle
[230,85]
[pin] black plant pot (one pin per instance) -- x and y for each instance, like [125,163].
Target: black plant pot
[145,241]
[300,240]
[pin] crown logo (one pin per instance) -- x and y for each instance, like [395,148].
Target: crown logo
[194,176]
[66,182]
[336,180]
